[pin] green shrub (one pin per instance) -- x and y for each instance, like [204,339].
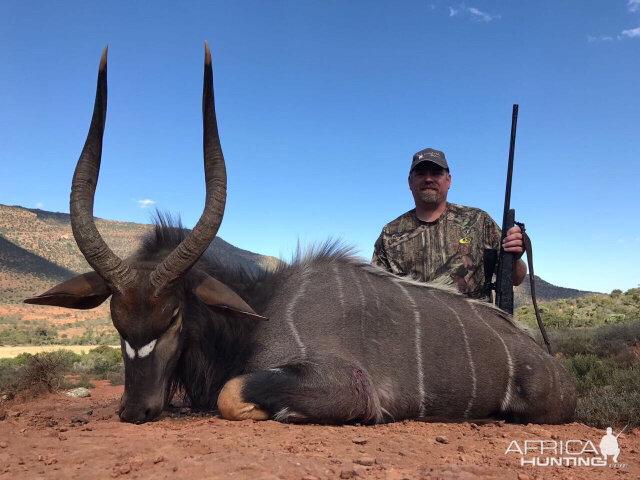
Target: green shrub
[613,405]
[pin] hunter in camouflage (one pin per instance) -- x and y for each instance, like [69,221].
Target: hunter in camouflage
[448,251]
[439,241]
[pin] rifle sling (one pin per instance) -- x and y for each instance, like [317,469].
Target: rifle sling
[528,250]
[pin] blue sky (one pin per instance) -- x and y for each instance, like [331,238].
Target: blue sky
[321,106]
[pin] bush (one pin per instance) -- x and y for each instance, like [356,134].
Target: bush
[613,405]
[42,372]
[100,361]
[45,371]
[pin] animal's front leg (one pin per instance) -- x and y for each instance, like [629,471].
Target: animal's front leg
[318,393]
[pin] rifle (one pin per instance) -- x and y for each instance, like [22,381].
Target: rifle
[504,277]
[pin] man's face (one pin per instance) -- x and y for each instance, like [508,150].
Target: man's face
[429,183]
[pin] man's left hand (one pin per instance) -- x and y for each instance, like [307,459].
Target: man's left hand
[513,242]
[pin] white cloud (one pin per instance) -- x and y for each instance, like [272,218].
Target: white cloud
[39,205]
[474,13]
[599,38]
[632,33]
[145,203]
[634,5]
[481,16]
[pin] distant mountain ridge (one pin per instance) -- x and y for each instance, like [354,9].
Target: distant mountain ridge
[545,292]
[37,250]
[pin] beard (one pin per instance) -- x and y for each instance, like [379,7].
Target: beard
[430,196]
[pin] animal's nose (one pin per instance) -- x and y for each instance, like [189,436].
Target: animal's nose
[138,414]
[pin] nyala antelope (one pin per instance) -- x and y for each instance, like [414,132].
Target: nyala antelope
[344,341]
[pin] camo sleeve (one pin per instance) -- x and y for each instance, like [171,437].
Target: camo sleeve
[379,258]
[492,233]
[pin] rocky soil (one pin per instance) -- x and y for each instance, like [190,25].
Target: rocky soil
[55,436]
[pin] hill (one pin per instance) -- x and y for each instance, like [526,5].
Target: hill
[545,292]
[37,250]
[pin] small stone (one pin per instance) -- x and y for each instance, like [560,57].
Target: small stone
[175,469]
[90,412]
[359,440]
[349,473]
[21,461]
[473,426]
[334,461]
[158,459]
[79,420]
[366,461]
[63,429]
[379,461]
[79,392]
[441,439]
[40,458]
[523,476]
[461,448]
[124,469]
[4,444]
[402,454]
[50,461]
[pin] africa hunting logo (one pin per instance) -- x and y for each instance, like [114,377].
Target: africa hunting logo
[568,453]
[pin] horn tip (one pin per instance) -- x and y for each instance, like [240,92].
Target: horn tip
[103,59]
[207,53]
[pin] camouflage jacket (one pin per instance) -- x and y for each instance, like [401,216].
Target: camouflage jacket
[448,251]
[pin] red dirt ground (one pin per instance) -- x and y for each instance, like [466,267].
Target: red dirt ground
[55,436]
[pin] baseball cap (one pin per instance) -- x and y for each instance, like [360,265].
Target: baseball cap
[429,155]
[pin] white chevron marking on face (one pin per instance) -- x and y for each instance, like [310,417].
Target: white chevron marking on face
[147,349]
[130,351]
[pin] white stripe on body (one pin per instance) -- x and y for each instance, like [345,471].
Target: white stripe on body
[340,291]
[472,367]
[373,292]
[291,308]
[418,343]
[506,400]
[362,303]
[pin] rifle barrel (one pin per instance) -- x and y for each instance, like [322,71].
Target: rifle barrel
[512,147]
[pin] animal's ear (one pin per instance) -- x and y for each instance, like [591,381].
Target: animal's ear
[82,292]
[217,295]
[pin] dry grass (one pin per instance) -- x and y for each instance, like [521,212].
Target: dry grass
[10,352]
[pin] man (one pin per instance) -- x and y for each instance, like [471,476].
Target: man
[439,241]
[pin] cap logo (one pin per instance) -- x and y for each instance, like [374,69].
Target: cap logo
[465,240]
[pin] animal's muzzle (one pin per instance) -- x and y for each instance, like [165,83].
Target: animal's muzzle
[139,413]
